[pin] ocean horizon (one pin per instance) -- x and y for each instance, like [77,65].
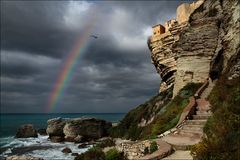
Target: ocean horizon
[9,122]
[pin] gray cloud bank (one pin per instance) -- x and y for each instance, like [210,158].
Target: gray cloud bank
[114,74]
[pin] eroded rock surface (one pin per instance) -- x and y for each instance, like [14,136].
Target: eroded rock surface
[89,128]
[55,129]
[77,129]
[198,45]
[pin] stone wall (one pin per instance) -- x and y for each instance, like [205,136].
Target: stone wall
[132,149]
[186,9]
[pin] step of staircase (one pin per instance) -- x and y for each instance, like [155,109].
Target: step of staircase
[191,133]
[196,122]
[193,127]
[181,142]
[203,112]
[203,109]
[201,117]
[180,155]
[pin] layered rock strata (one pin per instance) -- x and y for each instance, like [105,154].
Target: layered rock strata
[199,44]
[162,55]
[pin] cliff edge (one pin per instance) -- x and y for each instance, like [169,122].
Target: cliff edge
[197,45]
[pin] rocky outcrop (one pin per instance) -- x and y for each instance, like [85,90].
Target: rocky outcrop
[89,128]
[162,55]
[55,126]
[26,131]
[185,10]
[55,129]
[198,44]
[195,49]
[77,129]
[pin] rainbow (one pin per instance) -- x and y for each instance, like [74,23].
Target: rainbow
[66,74]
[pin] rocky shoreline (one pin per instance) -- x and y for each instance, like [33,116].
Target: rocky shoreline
[83,132]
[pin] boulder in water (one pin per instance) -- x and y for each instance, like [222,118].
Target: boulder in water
[26,131]
[56,139]
[55,129]
[67,150]
[42,131]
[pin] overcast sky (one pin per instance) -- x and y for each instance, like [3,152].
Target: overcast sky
[114,74]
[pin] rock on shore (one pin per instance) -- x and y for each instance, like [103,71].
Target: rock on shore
[26,131]
[55,129]
[87,127]
[77,129]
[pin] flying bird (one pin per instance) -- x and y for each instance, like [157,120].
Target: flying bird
[93,36]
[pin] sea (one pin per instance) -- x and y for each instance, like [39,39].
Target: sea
[41,146]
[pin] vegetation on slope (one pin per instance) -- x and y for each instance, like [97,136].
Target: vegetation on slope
[166,115]
[96,152]
[222,131]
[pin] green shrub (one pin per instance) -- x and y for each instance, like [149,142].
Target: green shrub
[94,153]
[128,127]
[153,146]
[166,115]
[113,154]
[146,150]
[168,118]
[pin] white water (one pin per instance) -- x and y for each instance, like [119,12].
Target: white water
[52,153]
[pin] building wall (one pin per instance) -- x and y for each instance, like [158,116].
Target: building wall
[185,10]
[191,69]
[159,29]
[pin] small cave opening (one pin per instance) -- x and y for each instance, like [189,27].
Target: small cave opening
[168,75]
[217,66]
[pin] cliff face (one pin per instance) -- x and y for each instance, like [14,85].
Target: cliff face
[203,43]
[198,45]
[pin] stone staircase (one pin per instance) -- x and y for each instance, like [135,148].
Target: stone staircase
[207,91]
[188,131]
[191,130]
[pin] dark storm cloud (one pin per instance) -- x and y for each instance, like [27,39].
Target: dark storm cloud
[114,74]
[34,27]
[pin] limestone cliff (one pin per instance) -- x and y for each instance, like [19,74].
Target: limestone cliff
[199,44]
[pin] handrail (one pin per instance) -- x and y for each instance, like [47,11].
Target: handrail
[190,109]
[202,88]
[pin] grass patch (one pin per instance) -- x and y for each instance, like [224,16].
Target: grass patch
[153,146]
[128,127]
[165,110]
[96,152]
[169,118]
[114,154]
